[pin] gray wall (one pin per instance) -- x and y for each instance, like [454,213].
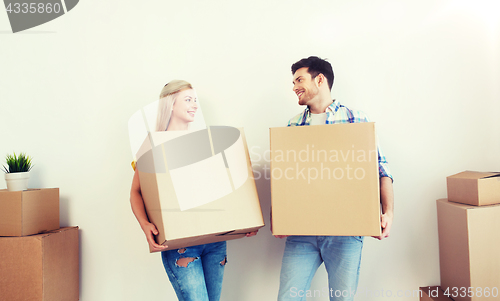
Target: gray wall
[427,73]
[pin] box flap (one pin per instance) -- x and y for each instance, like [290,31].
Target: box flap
[468,174]
[496,175]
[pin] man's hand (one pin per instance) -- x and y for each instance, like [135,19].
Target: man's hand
[385,223]
[387,200]
[150,230]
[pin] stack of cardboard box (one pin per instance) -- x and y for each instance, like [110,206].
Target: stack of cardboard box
[39,260]
[469,236]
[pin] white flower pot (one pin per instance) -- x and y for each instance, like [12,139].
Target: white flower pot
[17,181]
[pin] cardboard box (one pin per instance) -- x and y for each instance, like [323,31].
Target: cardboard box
[198,187]
[40,267]
[324,180]
[474,188]
[433,293]
[28,212]
[469,248]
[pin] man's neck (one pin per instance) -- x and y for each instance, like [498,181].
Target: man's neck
[320,106]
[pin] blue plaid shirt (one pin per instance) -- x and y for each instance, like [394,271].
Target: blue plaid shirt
[337,113]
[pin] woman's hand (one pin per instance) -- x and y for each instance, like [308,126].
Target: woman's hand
[250,234]
[150,230]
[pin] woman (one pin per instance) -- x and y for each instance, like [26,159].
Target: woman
[195,272]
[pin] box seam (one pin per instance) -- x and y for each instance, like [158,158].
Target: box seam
[468,244]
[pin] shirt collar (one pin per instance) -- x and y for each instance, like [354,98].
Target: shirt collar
[330,111]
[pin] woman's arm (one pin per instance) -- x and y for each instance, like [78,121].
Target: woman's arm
[137,204]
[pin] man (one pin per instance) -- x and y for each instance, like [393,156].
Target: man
[312,82]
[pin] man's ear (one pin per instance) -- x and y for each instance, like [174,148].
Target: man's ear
[320,79]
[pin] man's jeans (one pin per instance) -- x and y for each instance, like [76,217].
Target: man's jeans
[198,277]
[304,254]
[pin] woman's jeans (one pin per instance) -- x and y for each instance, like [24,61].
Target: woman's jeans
[196,272]
[304,254]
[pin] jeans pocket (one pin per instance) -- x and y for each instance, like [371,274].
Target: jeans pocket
[359,238]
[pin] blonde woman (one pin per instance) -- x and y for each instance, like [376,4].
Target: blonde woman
[195,272]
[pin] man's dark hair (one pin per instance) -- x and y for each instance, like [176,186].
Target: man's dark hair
[316,66]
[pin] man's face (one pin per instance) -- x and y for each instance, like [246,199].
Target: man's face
[304,86]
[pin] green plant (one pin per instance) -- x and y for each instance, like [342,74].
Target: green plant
[20,163]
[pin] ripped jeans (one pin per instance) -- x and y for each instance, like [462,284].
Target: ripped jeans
[196,272]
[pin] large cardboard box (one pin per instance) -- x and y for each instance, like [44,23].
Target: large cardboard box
[198,187]
[28,212]
[42,267]
[433,293]
[474,188]
[469,248]
[324,180]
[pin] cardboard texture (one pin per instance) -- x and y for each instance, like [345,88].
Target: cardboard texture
[324,180]
[433,293]
[42,267]
[469,244]
[229,213]
[28,212]
[474,188]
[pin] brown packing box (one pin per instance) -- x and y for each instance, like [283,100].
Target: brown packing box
[28,212]
[433,293]
[474,188]
[42,267]
[228,217]
[324,180]
[469,248]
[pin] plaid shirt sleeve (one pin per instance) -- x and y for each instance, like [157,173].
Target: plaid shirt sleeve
[383,166]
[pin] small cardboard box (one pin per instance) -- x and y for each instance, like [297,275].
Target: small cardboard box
[28,212]
[199,188]
[469,248]
[324,180]
[474,188]
[433,293]
[42,267]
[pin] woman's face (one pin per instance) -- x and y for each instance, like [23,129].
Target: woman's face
[185,106]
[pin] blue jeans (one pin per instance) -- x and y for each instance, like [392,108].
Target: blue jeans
[303,256]
[196,272]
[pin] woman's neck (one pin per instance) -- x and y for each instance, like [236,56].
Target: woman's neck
[175,125]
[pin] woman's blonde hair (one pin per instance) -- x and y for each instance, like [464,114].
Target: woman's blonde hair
[167,99]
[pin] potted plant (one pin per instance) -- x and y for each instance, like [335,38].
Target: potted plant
[17,172]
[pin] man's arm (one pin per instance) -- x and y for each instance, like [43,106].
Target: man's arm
[387,201]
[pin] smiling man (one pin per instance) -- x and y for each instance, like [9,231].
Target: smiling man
[312,82]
